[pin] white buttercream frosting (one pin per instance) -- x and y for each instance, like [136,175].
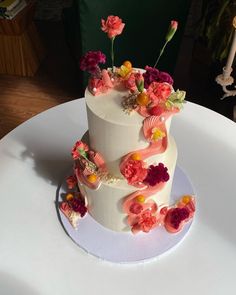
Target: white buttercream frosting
[105,203]
[112,132]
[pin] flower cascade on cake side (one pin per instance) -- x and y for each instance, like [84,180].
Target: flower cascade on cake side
[151,94]
[89,170]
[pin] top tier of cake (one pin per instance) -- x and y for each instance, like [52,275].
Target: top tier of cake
[112,132]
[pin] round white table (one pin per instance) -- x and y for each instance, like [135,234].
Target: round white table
[38,258]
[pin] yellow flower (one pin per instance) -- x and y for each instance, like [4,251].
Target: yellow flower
[157,134]
[123,71]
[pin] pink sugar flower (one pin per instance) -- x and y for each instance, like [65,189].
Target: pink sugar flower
[136,208]
[71,181]
[134,82]
[96,86]
[100,85]
[113,26]
[79,149]
[89,62]
[147,221]
[159,92]
[134,171]
[130,83]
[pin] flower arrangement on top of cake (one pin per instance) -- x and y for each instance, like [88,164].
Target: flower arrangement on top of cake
[150,91]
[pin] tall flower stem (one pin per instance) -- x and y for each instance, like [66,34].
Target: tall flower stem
[160,54]
[112,54]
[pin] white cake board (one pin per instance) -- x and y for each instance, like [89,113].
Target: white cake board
[126,247]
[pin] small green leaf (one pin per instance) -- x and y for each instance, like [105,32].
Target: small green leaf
[82,153]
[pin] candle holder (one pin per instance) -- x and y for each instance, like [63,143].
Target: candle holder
[226,80]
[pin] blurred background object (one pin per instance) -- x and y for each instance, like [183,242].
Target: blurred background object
[191,59]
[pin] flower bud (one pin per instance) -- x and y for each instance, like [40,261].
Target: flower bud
[139,81]
[172,29]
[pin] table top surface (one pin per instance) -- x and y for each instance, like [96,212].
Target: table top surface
[37,257]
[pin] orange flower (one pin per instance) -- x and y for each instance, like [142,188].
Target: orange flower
[113,26]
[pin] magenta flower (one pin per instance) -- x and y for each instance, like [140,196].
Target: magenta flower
[165,77]
[89,62]
[150,76]
[153,75]
[78,205]
[156,174]
[177,216]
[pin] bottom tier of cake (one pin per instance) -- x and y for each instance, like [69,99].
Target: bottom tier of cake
[105,204]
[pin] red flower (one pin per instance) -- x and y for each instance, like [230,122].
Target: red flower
[159,92]
[157,174]
[156,110]
[113,26]
[89,62]
[78,149]
[147,221]
[134,171]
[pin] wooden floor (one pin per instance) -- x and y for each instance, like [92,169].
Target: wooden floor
[57,81]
